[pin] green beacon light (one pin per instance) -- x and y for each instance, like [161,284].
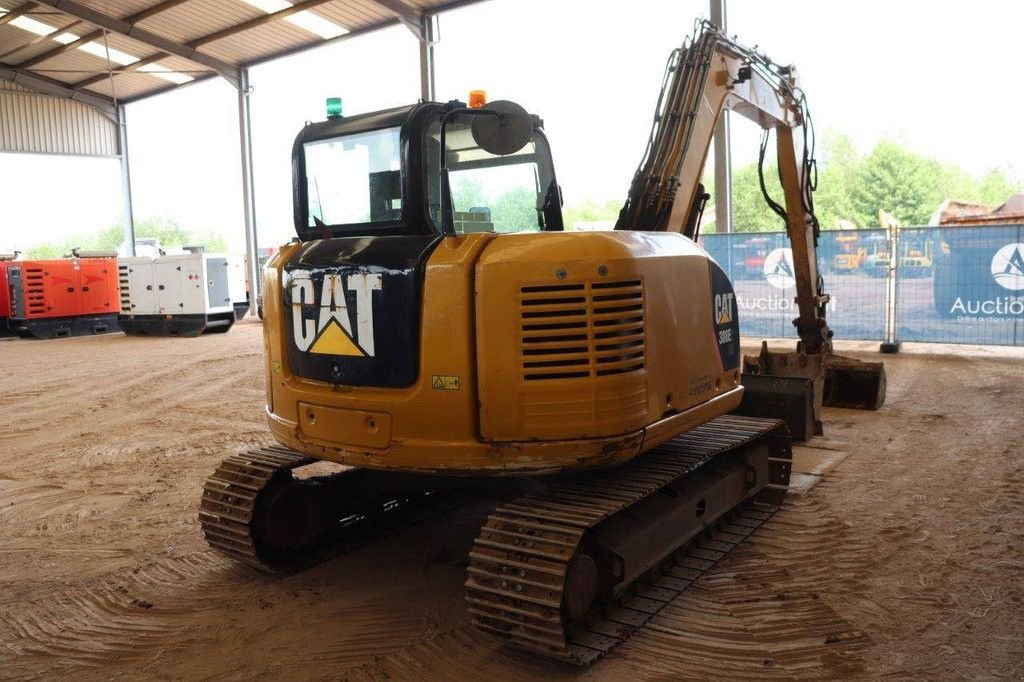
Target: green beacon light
[334,107]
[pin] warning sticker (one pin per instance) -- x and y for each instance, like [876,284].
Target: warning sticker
[440,382]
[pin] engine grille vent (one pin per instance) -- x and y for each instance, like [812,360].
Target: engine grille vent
[124,285]
[35,291]
[586,329]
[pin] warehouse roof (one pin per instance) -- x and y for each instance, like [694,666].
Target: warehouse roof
[107,51]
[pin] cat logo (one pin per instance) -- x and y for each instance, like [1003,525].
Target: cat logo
[723,308]
[331,332]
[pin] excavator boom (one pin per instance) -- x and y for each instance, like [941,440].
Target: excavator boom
[710,74]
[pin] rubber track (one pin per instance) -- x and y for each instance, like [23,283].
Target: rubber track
[518,563]
[230,496]
[229,500]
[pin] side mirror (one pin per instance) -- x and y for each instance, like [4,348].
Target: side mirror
[506,133]
[500,128]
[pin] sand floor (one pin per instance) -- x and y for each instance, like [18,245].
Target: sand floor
[901,552]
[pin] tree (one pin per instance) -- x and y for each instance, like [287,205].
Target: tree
[897,180]
[111,238]
[467,193]
[591,211]
[45,252]
[750,211]
[837,175]
[996,187]
[515,211]
[955,183]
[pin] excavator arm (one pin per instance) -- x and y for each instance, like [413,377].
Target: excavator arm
[712,73]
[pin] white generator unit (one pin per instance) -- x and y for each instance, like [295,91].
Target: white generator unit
[184,294]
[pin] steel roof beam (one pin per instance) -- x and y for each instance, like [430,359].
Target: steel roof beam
[134,66]
[17,12]
[256,22]
[213,37]
[38,39]
[127,29]
[96,35]
[411,18]
[49,86]
[60,49]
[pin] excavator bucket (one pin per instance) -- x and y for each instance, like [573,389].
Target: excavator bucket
[790,399]
[837,381]
[853,383]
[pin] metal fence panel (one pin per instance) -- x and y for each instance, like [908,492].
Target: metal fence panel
[760,265]
[961,285]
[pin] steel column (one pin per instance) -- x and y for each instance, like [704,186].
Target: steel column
[127,215]
[248,192]
[427,39]
[723,147]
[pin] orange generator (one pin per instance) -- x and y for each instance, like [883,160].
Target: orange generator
[5,295]
[67,297]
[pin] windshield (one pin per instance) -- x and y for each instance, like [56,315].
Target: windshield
[354,179]
[492,193]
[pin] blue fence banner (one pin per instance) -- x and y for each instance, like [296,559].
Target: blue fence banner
[952,284]
[961,285]
[853,264]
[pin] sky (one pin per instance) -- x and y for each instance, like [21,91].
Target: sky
[942,80]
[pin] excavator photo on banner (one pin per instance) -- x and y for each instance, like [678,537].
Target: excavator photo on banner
[433,340]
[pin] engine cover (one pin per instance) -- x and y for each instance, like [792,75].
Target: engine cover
[352,310]
[587,335]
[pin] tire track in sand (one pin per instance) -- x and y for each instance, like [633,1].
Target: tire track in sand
[753,615]
[93,625]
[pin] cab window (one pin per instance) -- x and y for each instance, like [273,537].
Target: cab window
[354,179]
[490,193]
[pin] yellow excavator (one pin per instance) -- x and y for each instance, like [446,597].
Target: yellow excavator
[434,328]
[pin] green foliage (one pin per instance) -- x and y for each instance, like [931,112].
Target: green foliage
[956,183]
[111,238]
[515,211]
[837,176]
[750,212]
[899,181]
[46,252]
[591,211]
[467,193]
[996,187]
[850,187]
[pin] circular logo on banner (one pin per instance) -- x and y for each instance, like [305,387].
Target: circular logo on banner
[778,268]
[1008,267]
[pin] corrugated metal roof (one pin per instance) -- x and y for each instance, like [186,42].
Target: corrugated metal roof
[30,122]
[224,34]
[183,23]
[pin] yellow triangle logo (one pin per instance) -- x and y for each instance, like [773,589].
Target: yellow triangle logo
[334,341]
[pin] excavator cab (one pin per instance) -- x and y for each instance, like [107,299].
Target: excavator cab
[380,174]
